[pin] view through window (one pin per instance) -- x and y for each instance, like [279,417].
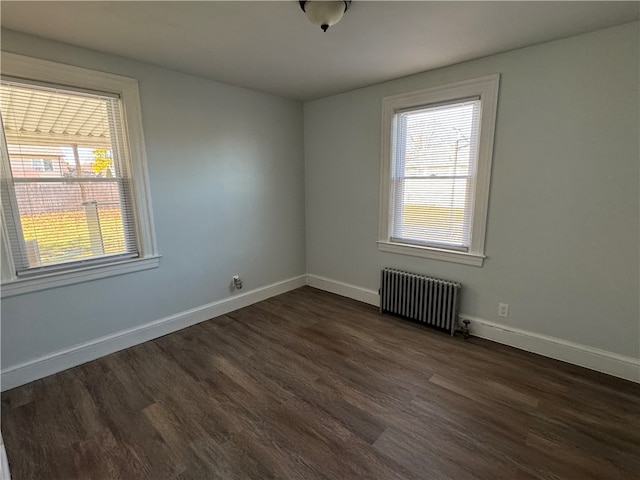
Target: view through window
[69,189]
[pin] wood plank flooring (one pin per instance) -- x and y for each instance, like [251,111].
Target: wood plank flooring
[309,385]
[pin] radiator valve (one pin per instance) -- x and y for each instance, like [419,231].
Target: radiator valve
[465,329]
[237,282]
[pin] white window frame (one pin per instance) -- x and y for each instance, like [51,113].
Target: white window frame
[485,88]
[126,88]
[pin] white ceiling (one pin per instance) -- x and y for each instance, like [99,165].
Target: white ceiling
[272,47]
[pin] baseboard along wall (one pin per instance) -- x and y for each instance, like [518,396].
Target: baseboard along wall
[559,349]
[55,362]
[584,356]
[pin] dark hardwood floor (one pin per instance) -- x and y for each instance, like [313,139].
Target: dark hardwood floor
[309,385]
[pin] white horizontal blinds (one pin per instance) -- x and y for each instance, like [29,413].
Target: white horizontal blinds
[71,187]
[434,169]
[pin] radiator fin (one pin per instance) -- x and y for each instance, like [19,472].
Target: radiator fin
[432,301]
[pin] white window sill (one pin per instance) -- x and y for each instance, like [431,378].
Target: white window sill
[432,253]
[20,286]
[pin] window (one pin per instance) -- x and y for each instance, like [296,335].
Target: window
[42,164]
[436,163]
[75,202]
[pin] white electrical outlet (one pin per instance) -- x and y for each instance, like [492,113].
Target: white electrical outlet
[503,310]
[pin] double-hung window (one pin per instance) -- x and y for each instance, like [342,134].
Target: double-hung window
[436,163]
[75,203]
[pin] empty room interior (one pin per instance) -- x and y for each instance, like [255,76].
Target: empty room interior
[320,240]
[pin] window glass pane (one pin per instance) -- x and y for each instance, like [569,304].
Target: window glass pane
[434,173]
[70,188]
[60,226]
[438,139]
[433,209]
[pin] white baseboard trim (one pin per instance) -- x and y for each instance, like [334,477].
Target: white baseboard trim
[584,356]
[55,362]
[570,352]
[344,289]
[577,354]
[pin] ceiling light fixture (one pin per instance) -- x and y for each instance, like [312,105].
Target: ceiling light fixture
[324,13]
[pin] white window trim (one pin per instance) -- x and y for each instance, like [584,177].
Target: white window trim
[127,88]
[487,89]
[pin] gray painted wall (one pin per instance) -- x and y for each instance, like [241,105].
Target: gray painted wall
[227,183]
[562,236]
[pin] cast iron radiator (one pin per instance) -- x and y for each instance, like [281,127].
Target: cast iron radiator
[432,301]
